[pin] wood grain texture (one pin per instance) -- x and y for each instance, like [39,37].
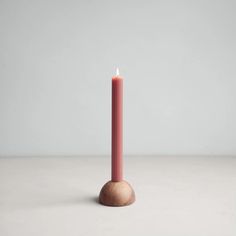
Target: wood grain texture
[117,194]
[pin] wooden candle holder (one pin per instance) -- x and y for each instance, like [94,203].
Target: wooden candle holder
[117,194]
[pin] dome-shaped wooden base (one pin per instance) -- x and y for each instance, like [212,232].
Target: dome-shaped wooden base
[117,194]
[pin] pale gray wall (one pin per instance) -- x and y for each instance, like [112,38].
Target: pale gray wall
[57,58]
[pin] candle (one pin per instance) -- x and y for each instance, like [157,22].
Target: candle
[117,192]
[117,128]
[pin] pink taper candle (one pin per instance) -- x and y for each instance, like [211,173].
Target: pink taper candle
[117,192]
[117,128]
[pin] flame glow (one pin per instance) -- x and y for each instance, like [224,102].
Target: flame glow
[117,72]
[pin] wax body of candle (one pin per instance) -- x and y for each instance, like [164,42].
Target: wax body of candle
[117,128]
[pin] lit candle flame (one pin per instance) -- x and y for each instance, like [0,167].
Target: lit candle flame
[117,72]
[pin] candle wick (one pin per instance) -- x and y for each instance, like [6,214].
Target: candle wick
[117,72]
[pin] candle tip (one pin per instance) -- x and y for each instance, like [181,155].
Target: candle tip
[117,72]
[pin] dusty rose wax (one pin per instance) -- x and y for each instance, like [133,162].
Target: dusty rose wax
[117,128]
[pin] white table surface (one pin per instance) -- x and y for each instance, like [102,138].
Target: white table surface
[47,196]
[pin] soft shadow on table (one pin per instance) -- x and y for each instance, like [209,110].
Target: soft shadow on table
[70,201]
[53,201]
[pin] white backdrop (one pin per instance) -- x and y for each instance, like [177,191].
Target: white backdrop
[177,57]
